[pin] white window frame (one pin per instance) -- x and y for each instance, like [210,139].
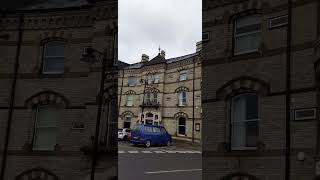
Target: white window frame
[150,79]
[36,127]
[182,100]
[242,35]
[130,98]
[185,126]
[183,75]
[45,58]
[244,121]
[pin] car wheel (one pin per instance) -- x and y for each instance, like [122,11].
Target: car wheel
[125,138]
[168,143]
[148,143]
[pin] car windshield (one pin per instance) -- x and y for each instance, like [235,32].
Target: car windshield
[137,129]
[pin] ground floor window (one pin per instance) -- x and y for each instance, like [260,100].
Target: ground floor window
[127,122]
[182,126]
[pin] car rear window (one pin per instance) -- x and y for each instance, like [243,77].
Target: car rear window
[148,129]
[156,130]
[128,130]
[119,130]
[163,130]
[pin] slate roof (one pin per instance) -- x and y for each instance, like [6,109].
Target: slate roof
[55,4]
[159,60]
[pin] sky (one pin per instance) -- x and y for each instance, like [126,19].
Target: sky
[144,25]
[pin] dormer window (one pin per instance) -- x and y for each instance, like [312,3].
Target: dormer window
[247,34]
[53,57]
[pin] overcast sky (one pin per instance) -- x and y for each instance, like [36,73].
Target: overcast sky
[144,25]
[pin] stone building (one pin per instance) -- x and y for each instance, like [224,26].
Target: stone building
[164,92]
[252,93]
[55,105]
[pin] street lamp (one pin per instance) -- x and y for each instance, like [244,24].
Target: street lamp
[90,57]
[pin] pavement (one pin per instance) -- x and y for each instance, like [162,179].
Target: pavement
[182,161]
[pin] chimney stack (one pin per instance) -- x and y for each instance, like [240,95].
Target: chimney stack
[163,53]
[144,58]
[199,46]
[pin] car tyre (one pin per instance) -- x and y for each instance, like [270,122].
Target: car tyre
[125,138]
[148,143]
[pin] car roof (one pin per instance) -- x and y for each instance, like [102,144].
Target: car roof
[149,125]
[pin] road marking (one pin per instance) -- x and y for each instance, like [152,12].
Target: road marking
[121,152]
[173,171]
[146,151]
[159,152]
[133,152]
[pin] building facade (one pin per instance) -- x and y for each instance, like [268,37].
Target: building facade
[164,92]
[256,89]
[52,127]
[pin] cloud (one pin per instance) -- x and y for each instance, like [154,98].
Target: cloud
[144,25]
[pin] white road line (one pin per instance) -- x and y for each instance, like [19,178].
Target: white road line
[146,152]
[133,152]
[173,171]
[121,152]
[159,152]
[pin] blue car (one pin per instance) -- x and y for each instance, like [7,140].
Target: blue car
[150,135]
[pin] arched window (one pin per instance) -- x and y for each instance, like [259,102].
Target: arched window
[45,131]
[244,121]
[130,100]
[182,126]
[127,121]
[182,98]
[247,34]
[53,57]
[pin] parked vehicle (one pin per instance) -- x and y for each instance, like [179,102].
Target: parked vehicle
[123,134]
[150,135]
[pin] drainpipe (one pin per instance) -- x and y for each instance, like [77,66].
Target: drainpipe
[144,92]
[288,95]
[194,72]
[120,96]
[12,98]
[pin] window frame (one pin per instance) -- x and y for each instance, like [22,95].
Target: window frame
[129,96]
[44,58]
[183,74]
[251,120]
[36,127]
[133,80]
[156,79]
[185,126]
[235,35]
[181,98]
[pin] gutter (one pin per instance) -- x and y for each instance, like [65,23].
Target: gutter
[120,96]
[288,95]
[12,99]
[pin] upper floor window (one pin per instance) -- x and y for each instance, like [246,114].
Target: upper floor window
[132,81]
[45,128]
[151,98]
[156,78]
[53,57]
[244,121]
[130,100]
[182,98]
[183,76]
[247,34]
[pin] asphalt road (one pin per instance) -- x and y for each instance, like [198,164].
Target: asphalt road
[159,163]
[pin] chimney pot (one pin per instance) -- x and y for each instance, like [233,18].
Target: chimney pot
[163,53]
